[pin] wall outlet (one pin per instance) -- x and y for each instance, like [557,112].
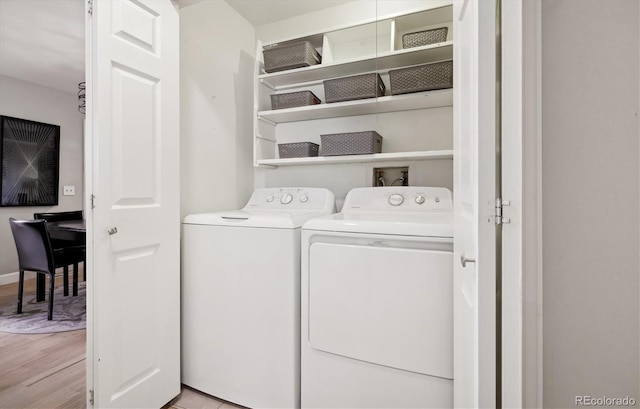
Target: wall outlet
[69,190]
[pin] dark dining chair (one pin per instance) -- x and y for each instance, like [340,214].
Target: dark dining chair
[76,251]
[36,254]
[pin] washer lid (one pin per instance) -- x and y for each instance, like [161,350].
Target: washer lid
[405,223]
[276,208]
[274,219]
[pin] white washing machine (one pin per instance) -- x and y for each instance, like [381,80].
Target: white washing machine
[377,301]
[241,297]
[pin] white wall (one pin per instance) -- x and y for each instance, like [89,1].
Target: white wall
[428,129]
[217,54]
[26,100]
[590,190]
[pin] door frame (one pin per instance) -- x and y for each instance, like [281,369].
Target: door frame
[522,246]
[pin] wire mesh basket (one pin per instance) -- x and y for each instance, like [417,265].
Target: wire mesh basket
[298,150]
[289,56]
[356,87]
[293,99]
[351,143]
[424,77]
[425,37]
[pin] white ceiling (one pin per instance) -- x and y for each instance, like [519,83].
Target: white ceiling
[258,12]
[42,41]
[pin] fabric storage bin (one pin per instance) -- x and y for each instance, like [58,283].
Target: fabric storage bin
[351,143]
[290,56]
[355,87]
[293,99]
[425,37]
[424,77]
[297,150]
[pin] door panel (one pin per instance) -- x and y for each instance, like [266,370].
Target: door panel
[135,160]
[134,170]
[474,286]
[136,23]
[384,305]
[135,364]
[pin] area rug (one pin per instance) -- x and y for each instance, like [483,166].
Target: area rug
[69,313]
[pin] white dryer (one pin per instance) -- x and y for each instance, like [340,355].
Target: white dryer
[377,301]
[241,297]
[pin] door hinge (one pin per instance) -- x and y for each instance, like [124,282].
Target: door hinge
[93,206]
[498,216]
[90,8]
[91,396]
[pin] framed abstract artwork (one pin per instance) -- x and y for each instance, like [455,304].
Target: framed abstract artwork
[30,155]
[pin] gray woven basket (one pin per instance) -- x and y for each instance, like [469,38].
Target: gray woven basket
[424,77]
[297,150]
[290,56]
[351,143]
[425,37]
[293,99]
[355,87]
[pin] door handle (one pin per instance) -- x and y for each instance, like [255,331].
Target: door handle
[464,260]
[112,230]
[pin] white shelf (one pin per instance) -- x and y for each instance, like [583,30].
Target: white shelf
[373,46]
[376,157]
[380,62]
[407,102]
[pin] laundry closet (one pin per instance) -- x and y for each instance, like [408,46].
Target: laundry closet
[360,126]
[232,155]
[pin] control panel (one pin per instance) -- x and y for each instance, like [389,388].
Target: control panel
[401,198]
[291,199]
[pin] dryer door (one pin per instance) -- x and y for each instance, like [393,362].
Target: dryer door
[385,305]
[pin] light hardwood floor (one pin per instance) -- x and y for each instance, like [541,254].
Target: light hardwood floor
[42,370]
[47,371]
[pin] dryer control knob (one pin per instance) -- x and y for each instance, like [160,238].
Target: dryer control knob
[286,199]
[304,199]
[396,200]
[269,198]
[420,199]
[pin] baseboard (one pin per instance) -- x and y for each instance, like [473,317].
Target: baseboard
[11,278]
[8,278]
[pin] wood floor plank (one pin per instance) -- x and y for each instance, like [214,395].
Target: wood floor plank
[53,371]
[41,370]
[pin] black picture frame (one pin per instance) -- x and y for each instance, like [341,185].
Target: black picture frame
[30,162]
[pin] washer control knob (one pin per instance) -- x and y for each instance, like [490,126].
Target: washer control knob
[420,199]
[269,198]
[304,199]
[286,199]
[396,200]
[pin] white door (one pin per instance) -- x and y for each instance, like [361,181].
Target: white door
[474,186]
[134,281]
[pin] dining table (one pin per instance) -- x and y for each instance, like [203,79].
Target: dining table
[72,231]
